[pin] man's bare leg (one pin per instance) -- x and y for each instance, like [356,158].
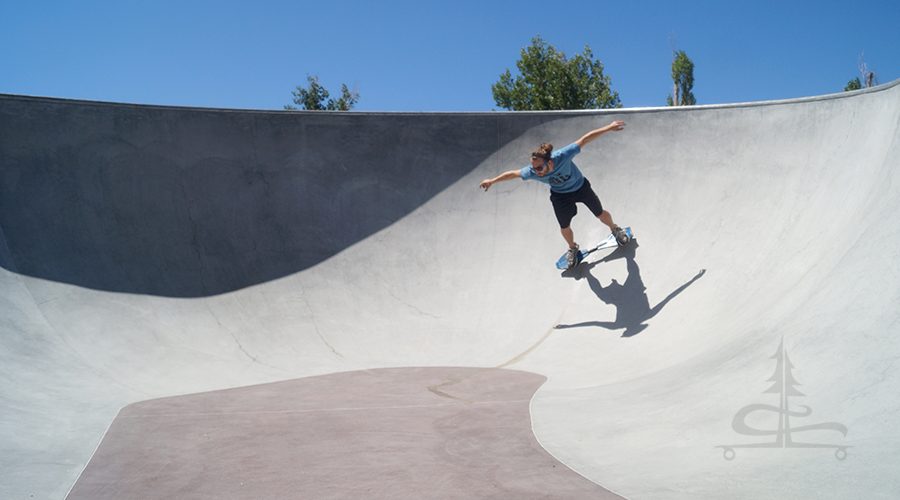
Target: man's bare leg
[607,219]
[621,236]
[569,235]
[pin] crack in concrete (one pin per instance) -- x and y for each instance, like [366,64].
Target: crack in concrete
[315,323]
[407,304]
[236,340]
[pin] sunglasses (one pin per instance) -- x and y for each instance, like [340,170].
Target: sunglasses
[542,167]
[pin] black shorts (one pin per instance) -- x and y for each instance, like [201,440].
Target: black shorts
[564,203]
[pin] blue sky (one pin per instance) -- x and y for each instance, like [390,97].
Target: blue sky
[405,55]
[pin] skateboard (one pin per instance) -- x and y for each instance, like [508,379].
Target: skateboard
[609,242]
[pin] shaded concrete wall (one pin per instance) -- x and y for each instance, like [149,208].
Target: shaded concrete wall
[192,202]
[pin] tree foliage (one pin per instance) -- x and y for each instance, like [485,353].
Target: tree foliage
[548,80]
[853,84]
[312,97]
[683,76]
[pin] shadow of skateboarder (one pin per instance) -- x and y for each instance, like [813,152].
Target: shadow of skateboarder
[630,298]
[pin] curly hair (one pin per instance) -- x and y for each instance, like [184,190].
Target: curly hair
[542,152]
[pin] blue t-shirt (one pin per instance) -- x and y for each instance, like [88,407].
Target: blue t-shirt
[565,177]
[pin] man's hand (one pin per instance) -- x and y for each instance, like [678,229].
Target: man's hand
[486,184]
[616,126]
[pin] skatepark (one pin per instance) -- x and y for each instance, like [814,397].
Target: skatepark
[214,303]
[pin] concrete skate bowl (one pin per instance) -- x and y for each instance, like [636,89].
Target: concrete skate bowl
[204,303]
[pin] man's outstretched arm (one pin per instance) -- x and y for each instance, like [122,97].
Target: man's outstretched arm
[505,176]
[593,134]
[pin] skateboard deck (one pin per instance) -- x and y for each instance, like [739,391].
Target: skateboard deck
[608,242]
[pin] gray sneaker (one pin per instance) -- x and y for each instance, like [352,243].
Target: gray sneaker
[621,236]
[572,256]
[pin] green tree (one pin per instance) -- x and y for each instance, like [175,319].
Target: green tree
[683,76]
[548,80]
[312,97]
[853,84]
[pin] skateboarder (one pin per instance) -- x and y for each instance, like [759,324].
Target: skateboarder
[567,185]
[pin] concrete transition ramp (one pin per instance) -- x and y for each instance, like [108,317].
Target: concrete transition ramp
[202,303]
